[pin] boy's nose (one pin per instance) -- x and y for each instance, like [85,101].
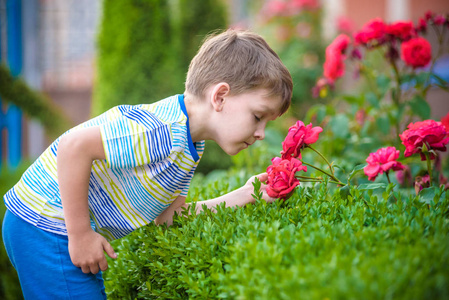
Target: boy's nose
[260,134]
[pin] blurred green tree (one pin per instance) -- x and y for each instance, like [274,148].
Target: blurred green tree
[145,47]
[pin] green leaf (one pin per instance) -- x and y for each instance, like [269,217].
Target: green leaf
[340,125]
[421,78]
[372,99]
[426,195]
[344,192]
[383,82]
[353,99]
[440,82]
[321,114]
[257,194]
[420,107]
[383,123]
[356,170]
[371,186]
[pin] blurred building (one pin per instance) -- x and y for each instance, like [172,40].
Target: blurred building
[58,57]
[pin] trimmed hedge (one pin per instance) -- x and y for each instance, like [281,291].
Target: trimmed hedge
[145,47]
[316,245]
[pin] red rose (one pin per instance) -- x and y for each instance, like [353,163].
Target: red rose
[383,160]
[421,26]
[281,177]
[373,31]
[299,135]
[429,15]
[445,121]
[334,66]
[416,52]
[428,132]
[402,30]
[340,43]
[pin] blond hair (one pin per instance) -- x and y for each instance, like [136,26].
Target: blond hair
[242,59]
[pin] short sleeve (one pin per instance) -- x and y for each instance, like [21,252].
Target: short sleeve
[135,138]
[186,182]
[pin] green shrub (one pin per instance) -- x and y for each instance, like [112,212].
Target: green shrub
[316,245]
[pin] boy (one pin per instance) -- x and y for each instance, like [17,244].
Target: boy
[133,164]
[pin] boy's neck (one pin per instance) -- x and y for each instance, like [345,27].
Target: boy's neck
[198,117]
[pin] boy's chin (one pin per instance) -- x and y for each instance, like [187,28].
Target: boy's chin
[232,150]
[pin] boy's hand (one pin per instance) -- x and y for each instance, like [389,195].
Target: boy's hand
[263,188]
[86,251]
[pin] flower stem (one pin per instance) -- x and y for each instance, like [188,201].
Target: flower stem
[388,177]
[429,167]
[322,156]
[307,177]
[324,172]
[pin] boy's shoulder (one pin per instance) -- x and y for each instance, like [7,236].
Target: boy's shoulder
[167,111]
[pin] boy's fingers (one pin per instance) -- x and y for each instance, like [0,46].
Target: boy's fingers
[85,269]
[109,250]
[94,269]
[103,264]
[262,177]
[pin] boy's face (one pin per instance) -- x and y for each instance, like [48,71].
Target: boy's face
[243,119]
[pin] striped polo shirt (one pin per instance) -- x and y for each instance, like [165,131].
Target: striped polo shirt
[150,161]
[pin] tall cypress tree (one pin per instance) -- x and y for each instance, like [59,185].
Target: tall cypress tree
[145,47]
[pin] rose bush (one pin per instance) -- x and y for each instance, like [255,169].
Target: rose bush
[393,69]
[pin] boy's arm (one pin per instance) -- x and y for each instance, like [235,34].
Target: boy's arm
[239,197]
[76,152]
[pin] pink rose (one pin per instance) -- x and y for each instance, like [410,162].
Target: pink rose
[274,8]
[374,30]
[281,177]
[299,135]
[416,52]
[344,24]
[297,5]
[402,30]
[428,132]
[383,160]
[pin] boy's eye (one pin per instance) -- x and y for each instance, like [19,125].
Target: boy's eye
[257,118]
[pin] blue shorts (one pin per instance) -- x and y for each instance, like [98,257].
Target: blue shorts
[43,263]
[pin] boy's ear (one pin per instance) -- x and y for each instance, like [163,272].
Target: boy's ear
[219,93]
